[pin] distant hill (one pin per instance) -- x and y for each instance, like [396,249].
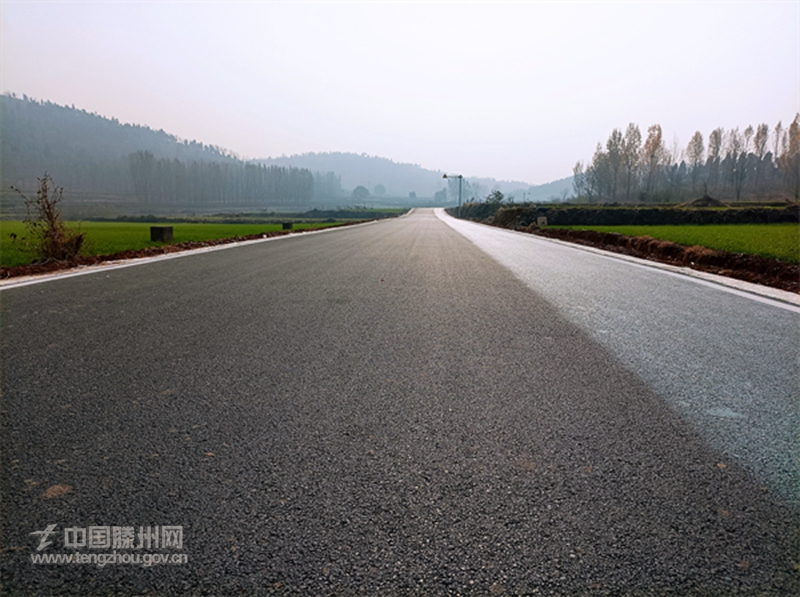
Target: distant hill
[137,169]
[355,170]
[103,161]
[558,190]
[399,179]
[38,136]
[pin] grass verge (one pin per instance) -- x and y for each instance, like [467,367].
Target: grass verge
[778,241]
[103,238]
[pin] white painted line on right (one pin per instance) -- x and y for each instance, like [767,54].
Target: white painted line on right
[765,294]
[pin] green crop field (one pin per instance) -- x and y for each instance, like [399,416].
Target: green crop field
[103,238]
[779,241]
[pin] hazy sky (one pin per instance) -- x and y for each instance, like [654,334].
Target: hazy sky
[516,90]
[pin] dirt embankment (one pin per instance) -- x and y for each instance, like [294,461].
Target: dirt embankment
[54,266]
[574,215]
[750,268]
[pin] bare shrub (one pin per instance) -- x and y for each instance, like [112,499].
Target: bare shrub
[53,240]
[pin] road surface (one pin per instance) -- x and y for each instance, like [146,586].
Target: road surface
[411,407]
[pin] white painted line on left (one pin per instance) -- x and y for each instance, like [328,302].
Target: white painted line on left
[112,265]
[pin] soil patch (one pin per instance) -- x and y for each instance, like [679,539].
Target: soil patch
[750,268]
[706,201]
[705,210]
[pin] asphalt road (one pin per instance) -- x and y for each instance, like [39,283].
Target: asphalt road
[388,410]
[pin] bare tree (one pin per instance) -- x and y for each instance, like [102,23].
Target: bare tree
[736,157]
[614,150]
[747,137]
[735,163]
[601,173]
[746,159]
[631,147]
[584,181]
[761,140]
[790,157]
[713,157]
[695,152]
[653,156]
[760,150]
[579,179]
[777,140]
[55,241]
[675,168]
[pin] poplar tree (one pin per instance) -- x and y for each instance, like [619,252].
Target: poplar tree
[694,153]
[653,156]
[631,147]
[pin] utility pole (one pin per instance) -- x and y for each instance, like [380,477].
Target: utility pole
[460,179]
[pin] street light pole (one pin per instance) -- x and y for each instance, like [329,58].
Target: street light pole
[460,179]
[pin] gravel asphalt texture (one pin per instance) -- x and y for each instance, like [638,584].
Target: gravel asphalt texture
[378,410]
[727,361]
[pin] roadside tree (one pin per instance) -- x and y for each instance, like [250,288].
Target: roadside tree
[631,147]
[53,240]
[360,192]
[653,157]
[694,154]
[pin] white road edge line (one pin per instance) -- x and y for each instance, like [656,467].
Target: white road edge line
[757,292]
[12,283]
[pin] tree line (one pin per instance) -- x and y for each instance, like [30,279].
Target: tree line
[756,162]
[166,181]
[95,157]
